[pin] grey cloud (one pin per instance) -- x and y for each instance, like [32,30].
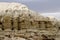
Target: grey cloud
[49,6]
[56,15]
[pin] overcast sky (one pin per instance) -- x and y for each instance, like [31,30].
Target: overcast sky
[49,7]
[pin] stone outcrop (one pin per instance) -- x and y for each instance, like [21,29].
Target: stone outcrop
[18,22]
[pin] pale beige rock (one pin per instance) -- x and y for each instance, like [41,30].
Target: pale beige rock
[15,23]
[18,22]
[7,22]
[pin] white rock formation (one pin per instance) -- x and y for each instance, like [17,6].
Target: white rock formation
[18,15]
[17,20]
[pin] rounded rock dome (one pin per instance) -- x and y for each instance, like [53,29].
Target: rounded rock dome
[18,6]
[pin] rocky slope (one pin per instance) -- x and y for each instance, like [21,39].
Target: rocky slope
[18,22]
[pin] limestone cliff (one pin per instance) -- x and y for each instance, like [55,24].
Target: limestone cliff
[17,20]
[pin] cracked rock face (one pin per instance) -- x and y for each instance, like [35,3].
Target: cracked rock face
[18,22]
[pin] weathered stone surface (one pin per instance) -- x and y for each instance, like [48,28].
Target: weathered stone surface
[7,22]
[18,22]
